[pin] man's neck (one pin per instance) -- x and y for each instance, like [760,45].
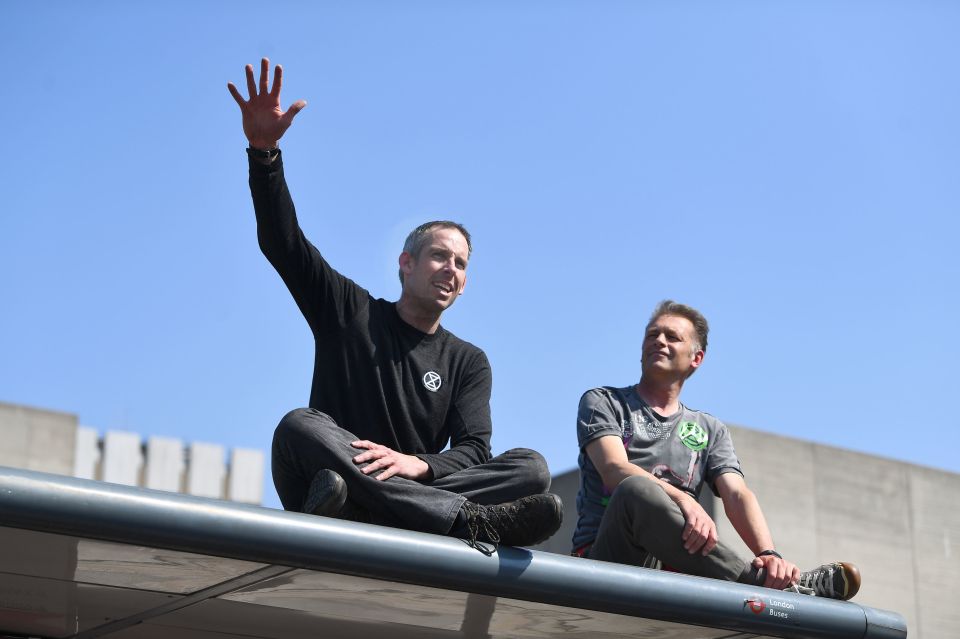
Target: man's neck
[663,397]
[424,322]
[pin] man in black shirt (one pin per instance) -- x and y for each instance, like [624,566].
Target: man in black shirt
[391,387]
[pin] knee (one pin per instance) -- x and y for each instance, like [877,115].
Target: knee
[534,469]
[636,490]
[300,424]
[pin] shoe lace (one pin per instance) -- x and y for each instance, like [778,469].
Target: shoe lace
[821,580]
[479,522]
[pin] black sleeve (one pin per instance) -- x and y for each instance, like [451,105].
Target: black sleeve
[468,422]
[327,299]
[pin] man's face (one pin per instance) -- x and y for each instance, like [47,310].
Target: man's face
[434,278]
[670,347]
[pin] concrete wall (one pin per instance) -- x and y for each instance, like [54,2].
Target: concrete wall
[900,523]
[37,439]
[53,442]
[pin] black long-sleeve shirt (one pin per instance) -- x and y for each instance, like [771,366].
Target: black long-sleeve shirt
[374,374]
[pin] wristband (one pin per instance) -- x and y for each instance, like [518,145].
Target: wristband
[772,553]
[263,155]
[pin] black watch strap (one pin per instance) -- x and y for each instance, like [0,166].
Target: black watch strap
[770,552]
[263,155]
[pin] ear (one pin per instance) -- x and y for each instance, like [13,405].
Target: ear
[463,285]
[407,262]
[698,358]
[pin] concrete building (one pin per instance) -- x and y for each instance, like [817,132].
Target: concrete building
[899,522]
[54,442]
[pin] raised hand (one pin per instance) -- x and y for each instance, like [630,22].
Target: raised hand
[264,122]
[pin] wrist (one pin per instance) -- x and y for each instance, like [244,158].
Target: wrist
[677,495]
[684,501]
[423,468]
[769,552]
[264,156]
[262,145]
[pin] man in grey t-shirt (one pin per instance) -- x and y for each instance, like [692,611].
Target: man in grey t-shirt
[644,458]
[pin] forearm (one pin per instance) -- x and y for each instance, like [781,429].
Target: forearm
[318,289]
[278,231]
[743,511]
[615,473]
[456,458]
[468,421]
[608,456]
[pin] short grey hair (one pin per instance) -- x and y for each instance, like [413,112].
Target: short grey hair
[700,326]
[669,307]
[420,235]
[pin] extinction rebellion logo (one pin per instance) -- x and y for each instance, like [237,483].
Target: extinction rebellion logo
[693,436]
[432,381]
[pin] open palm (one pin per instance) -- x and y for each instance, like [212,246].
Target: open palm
[264,122]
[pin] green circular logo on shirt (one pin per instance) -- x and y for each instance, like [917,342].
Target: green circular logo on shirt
[693,436]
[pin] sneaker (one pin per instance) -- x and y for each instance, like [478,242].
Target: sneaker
[839,580]
[524,522]
[327,494]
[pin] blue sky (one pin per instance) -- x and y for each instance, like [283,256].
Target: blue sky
[790,168]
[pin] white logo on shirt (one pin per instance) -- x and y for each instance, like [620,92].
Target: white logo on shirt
[652,430]
[432,381]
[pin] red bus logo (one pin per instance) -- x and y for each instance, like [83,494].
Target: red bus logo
[756,606]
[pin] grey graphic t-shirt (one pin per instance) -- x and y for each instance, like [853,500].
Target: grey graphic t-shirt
[684,449]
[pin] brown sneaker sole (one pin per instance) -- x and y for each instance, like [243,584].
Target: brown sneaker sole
[851,580]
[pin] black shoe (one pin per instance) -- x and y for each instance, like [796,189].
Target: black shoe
[327,494]
[839,580]
[524,522]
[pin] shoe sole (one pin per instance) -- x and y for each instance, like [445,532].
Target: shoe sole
[326,496]
[851,580]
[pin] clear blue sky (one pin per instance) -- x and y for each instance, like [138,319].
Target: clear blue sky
[791,168]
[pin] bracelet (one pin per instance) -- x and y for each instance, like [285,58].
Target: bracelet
[772,553]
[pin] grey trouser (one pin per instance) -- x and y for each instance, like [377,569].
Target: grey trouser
[642,524]
[307,441]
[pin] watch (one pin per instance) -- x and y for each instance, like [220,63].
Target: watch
[263,155]
[771,552]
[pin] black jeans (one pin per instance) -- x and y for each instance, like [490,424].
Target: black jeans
[307,441]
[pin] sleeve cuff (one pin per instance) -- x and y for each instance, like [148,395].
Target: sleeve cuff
[597,434]
[259,165]
[431,461]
